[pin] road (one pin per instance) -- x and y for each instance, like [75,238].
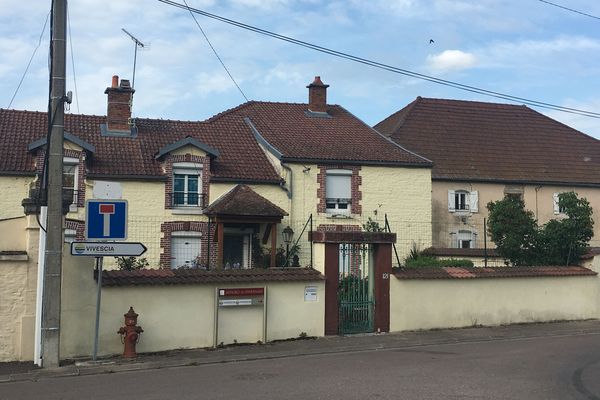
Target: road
[560,367]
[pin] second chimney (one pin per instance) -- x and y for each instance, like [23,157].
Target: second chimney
[118,113]
[317,96]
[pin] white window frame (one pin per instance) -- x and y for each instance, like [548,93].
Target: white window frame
[192,235]
[72,162]
[555,206]
[470,201]
[461,237]
[187,169]
[335,205]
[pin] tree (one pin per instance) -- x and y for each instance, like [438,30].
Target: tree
[559,242]
[564,241]
[513,229]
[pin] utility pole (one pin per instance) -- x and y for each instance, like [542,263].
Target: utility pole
[54,239]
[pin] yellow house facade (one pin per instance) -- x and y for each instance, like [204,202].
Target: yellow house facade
[214,195]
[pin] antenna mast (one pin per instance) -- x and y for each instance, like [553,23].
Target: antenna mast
[138,43]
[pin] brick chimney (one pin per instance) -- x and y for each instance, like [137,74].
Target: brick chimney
[118,114]
[317,96]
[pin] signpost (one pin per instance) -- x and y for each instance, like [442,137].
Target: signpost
[107,249]
[105,224]
[106,219]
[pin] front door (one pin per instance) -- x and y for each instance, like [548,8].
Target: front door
[236,250]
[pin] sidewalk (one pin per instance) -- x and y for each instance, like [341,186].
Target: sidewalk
[14,372]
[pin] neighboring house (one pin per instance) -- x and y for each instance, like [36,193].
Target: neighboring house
[484,151]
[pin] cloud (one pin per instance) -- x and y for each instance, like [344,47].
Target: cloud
[450,60]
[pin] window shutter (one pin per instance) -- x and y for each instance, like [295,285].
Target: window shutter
[451,200]
[338,187]
[555,203]
[474,201]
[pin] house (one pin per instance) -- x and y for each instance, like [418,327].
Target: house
[242,189]
[484,151]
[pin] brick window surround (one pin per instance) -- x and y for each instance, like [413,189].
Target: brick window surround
[81,170]
[167,228]
[177,158]
[355,183]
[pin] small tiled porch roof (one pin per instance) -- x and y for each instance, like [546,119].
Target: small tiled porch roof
[242,201]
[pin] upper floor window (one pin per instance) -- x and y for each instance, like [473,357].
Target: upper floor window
[463,200]
[70,179]
[516,192]
[338,191]
[556,204]
[187,185]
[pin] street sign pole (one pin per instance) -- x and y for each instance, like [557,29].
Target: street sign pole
[98,301]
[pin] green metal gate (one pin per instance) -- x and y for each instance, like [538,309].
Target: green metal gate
[355,288]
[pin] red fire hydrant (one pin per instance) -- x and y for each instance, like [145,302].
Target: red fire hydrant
[130,333]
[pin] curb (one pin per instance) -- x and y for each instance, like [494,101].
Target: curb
[104,367]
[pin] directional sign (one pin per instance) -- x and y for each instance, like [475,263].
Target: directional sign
[107,249]
[106,219]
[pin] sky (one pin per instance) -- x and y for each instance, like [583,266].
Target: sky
[524,48]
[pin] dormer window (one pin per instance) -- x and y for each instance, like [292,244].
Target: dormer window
[338,189]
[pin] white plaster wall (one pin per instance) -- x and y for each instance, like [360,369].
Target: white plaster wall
[451,303]
[178,316]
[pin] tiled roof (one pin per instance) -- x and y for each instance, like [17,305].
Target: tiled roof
[243,201]
[339,136]
[197,276]
[240,157]
[287,127]
[468,140]
[490,272]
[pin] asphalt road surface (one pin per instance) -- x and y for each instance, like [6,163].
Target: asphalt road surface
[564,367]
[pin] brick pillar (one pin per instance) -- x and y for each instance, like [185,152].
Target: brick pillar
[382,258]
[332,257]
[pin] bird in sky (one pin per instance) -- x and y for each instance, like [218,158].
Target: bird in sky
[431,41]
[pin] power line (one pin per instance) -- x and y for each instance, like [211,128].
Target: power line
[30,60]
[569,9]
[386,67]
[215,51]
[73,61]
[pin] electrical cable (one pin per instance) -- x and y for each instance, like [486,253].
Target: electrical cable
[73,61]
[215,51]
[386,67]
[569,9]
[30,60]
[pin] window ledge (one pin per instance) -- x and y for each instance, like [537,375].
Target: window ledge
[188,211]
[338,216]
[13,256]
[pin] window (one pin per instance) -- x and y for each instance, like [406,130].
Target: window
[70,180]
[338,197]
[465,239]
[187,185]
[555,204]
[185,249]
[514,191]
[463,200]
[70,235]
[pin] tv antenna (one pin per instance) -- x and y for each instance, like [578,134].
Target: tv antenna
[138,43]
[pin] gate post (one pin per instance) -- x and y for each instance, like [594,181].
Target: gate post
[383,271]
[332,259]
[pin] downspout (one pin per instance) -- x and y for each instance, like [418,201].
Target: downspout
[537,188]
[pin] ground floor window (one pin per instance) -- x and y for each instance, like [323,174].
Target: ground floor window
[185,249]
